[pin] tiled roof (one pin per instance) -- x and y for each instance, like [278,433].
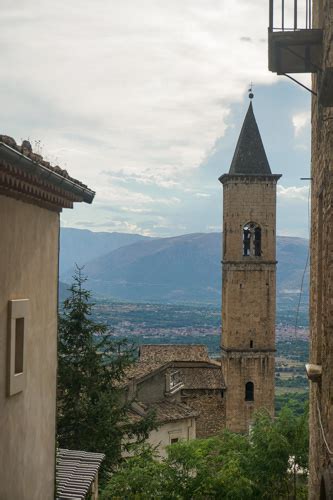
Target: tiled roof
[26,150]
[75,473]
[27,176]
[208,377]
[166,411]
[165,353]
[139,370]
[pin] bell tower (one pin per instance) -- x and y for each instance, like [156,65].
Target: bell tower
[249,279]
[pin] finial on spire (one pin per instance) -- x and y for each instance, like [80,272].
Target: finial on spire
[251,94]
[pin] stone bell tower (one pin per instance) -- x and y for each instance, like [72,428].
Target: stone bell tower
[249,276]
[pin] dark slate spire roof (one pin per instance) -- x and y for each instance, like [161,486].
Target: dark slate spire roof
[250,157]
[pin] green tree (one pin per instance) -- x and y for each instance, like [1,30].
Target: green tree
[230,466]
[295,429]
[92,413]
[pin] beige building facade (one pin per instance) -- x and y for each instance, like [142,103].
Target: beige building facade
[32,194]
[249,279]
[183,386]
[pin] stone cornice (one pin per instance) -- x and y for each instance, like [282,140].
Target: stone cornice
[237,264]
[246,352]
[253,178]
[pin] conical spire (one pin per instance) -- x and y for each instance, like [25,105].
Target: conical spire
[250,157]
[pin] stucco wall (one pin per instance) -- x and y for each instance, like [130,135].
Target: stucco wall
[184,430]
[321,297]
[152,389]
[28,269]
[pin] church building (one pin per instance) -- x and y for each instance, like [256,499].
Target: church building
[245,382]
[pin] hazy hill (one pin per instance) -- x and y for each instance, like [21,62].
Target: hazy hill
[80,245]
[182,268]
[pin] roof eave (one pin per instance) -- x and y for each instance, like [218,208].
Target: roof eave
[27,165]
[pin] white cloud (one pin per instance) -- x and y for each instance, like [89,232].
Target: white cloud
[130,96]
[293,193]
[202,195]
[132,85]
[300,121]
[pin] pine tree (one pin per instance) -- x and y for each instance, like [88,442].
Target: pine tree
[92,413]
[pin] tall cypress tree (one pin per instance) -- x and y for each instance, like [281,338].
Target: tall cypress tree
[92,413]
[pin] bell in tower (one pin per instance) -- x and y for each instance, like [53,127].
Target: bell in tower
[249,279]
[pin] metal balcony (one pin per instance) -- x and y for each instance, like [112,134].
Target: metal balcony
[293,45]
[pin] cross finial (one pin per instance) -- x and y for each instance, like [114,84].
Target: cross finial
[251,94]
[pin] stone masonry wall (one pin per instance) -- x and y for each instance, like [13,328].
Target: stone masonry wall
[248,298]
[321,305]
[211,408]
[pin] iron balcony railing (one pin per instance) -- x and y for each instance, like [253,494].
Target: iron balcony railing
[292,15]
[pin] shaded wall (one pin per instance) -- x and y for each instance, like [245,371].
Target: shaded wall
[321,293]
[183,430]
[28,270]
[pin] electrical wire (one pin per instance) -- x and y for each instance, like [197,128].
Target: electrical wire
[305,267]
[322,430]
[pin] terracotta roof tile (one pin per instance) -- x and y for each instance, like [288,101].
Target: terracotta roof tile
[75,473]
[166,410]
[173,352]
[26,150]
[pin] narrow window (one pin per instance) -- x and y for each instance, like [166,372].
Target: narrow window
[19,345]
[251,240]
[251,344]
[174,440]
[249,391]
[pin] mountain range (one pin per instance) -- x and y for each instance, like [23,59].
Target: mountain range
[184,268]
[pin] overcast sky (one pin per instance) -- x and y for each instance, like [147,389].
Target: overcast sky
[143,100]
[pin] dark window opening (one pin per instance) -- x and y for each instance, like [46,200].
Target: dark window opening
[222,394]
[251,240]
[249,391]
[251,344]
[174,440]
[246,242]
[19,343]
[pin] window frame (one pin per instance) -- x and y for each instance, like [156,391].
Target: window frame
[17,341]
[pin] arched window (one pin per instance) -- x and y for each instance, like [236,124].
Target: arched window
[249,391]
[251,240]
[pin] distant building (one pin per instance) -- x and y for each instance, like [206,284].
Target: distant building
[185,388]
[32,195]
